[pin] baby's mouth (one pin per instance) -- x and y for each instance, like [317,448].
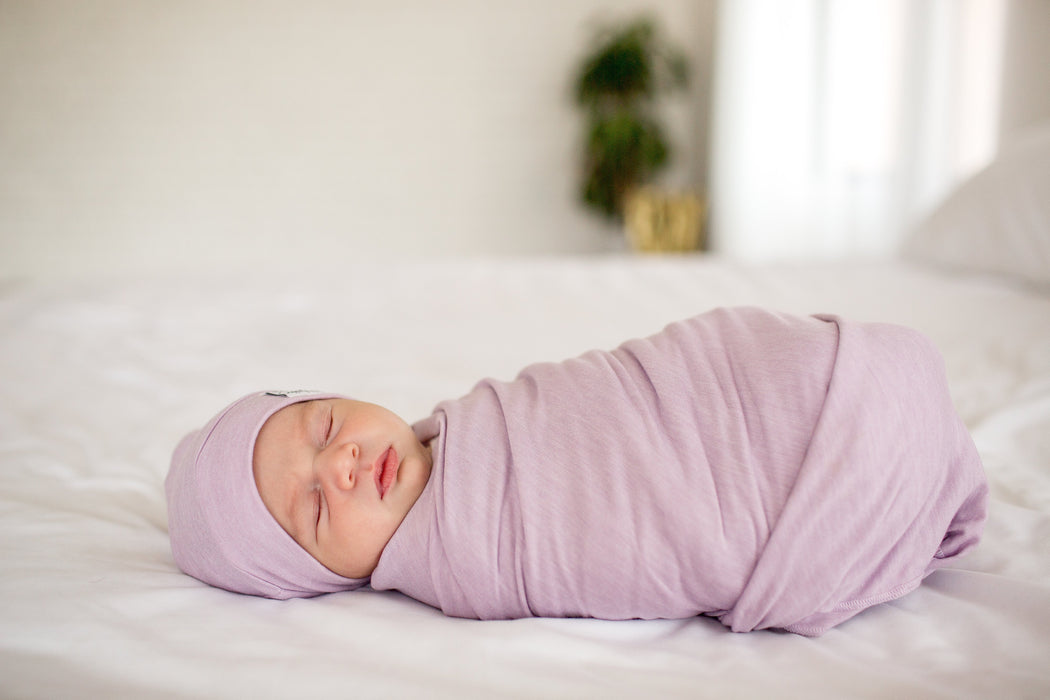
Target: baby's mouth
[387,471]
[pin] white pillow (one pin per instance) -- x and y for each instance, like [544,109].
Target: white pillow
[998,221]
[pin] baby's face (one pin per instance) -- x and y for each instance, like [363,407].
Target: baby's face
[340,476]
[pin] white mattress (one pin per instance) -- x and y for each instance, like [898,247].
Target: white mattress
[98,380]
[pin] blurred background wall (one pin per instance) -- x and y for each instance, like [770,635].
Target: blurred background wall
[142,136]
[153,135]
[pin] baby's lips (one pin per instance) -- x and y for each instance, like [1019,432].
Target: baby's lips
[385,470]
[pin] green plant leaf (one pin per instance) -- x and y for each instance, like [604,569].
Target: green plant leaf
[616,85]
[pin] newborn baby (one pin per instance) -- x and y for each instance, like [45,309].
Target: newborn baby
[768,470]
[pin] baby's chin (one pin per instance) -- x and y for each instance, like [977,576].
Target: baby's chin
[356,573]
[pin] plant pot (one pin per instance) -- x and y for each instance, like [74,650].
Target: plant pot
[663,222]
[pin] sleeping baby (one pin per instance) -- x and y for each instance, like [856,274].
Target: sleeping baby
[768,470]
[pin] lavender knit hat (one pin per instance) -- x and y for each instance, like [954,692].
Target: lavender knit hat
[221,532]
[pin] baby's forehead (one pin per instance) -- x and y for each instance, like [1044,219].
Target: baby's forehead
[283,417]
[273,455]
[278,432]
[287,423]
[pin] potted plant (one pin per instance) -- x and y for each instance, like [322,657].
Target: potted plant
[617,85]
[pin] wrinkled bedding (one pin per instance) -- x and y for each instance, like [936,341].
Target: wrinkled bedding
[100,379]
[766,469]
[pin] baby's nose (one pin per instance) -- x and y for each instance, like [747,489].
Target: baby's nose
[341,465]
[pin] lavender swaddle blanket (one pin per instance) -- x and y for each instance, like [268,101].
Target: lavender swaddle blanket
[766,469]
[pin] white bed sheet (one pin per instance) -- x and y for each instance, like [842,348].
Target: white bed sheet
[99,379]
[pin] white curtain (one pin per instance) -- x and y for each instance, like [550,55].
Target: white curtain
[837,123]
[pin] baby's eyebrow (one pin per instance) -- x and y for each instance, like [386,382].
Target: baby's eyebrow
[306,422]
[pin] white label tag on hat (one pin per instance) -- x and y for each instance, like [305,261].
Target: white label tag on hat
[293,392]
